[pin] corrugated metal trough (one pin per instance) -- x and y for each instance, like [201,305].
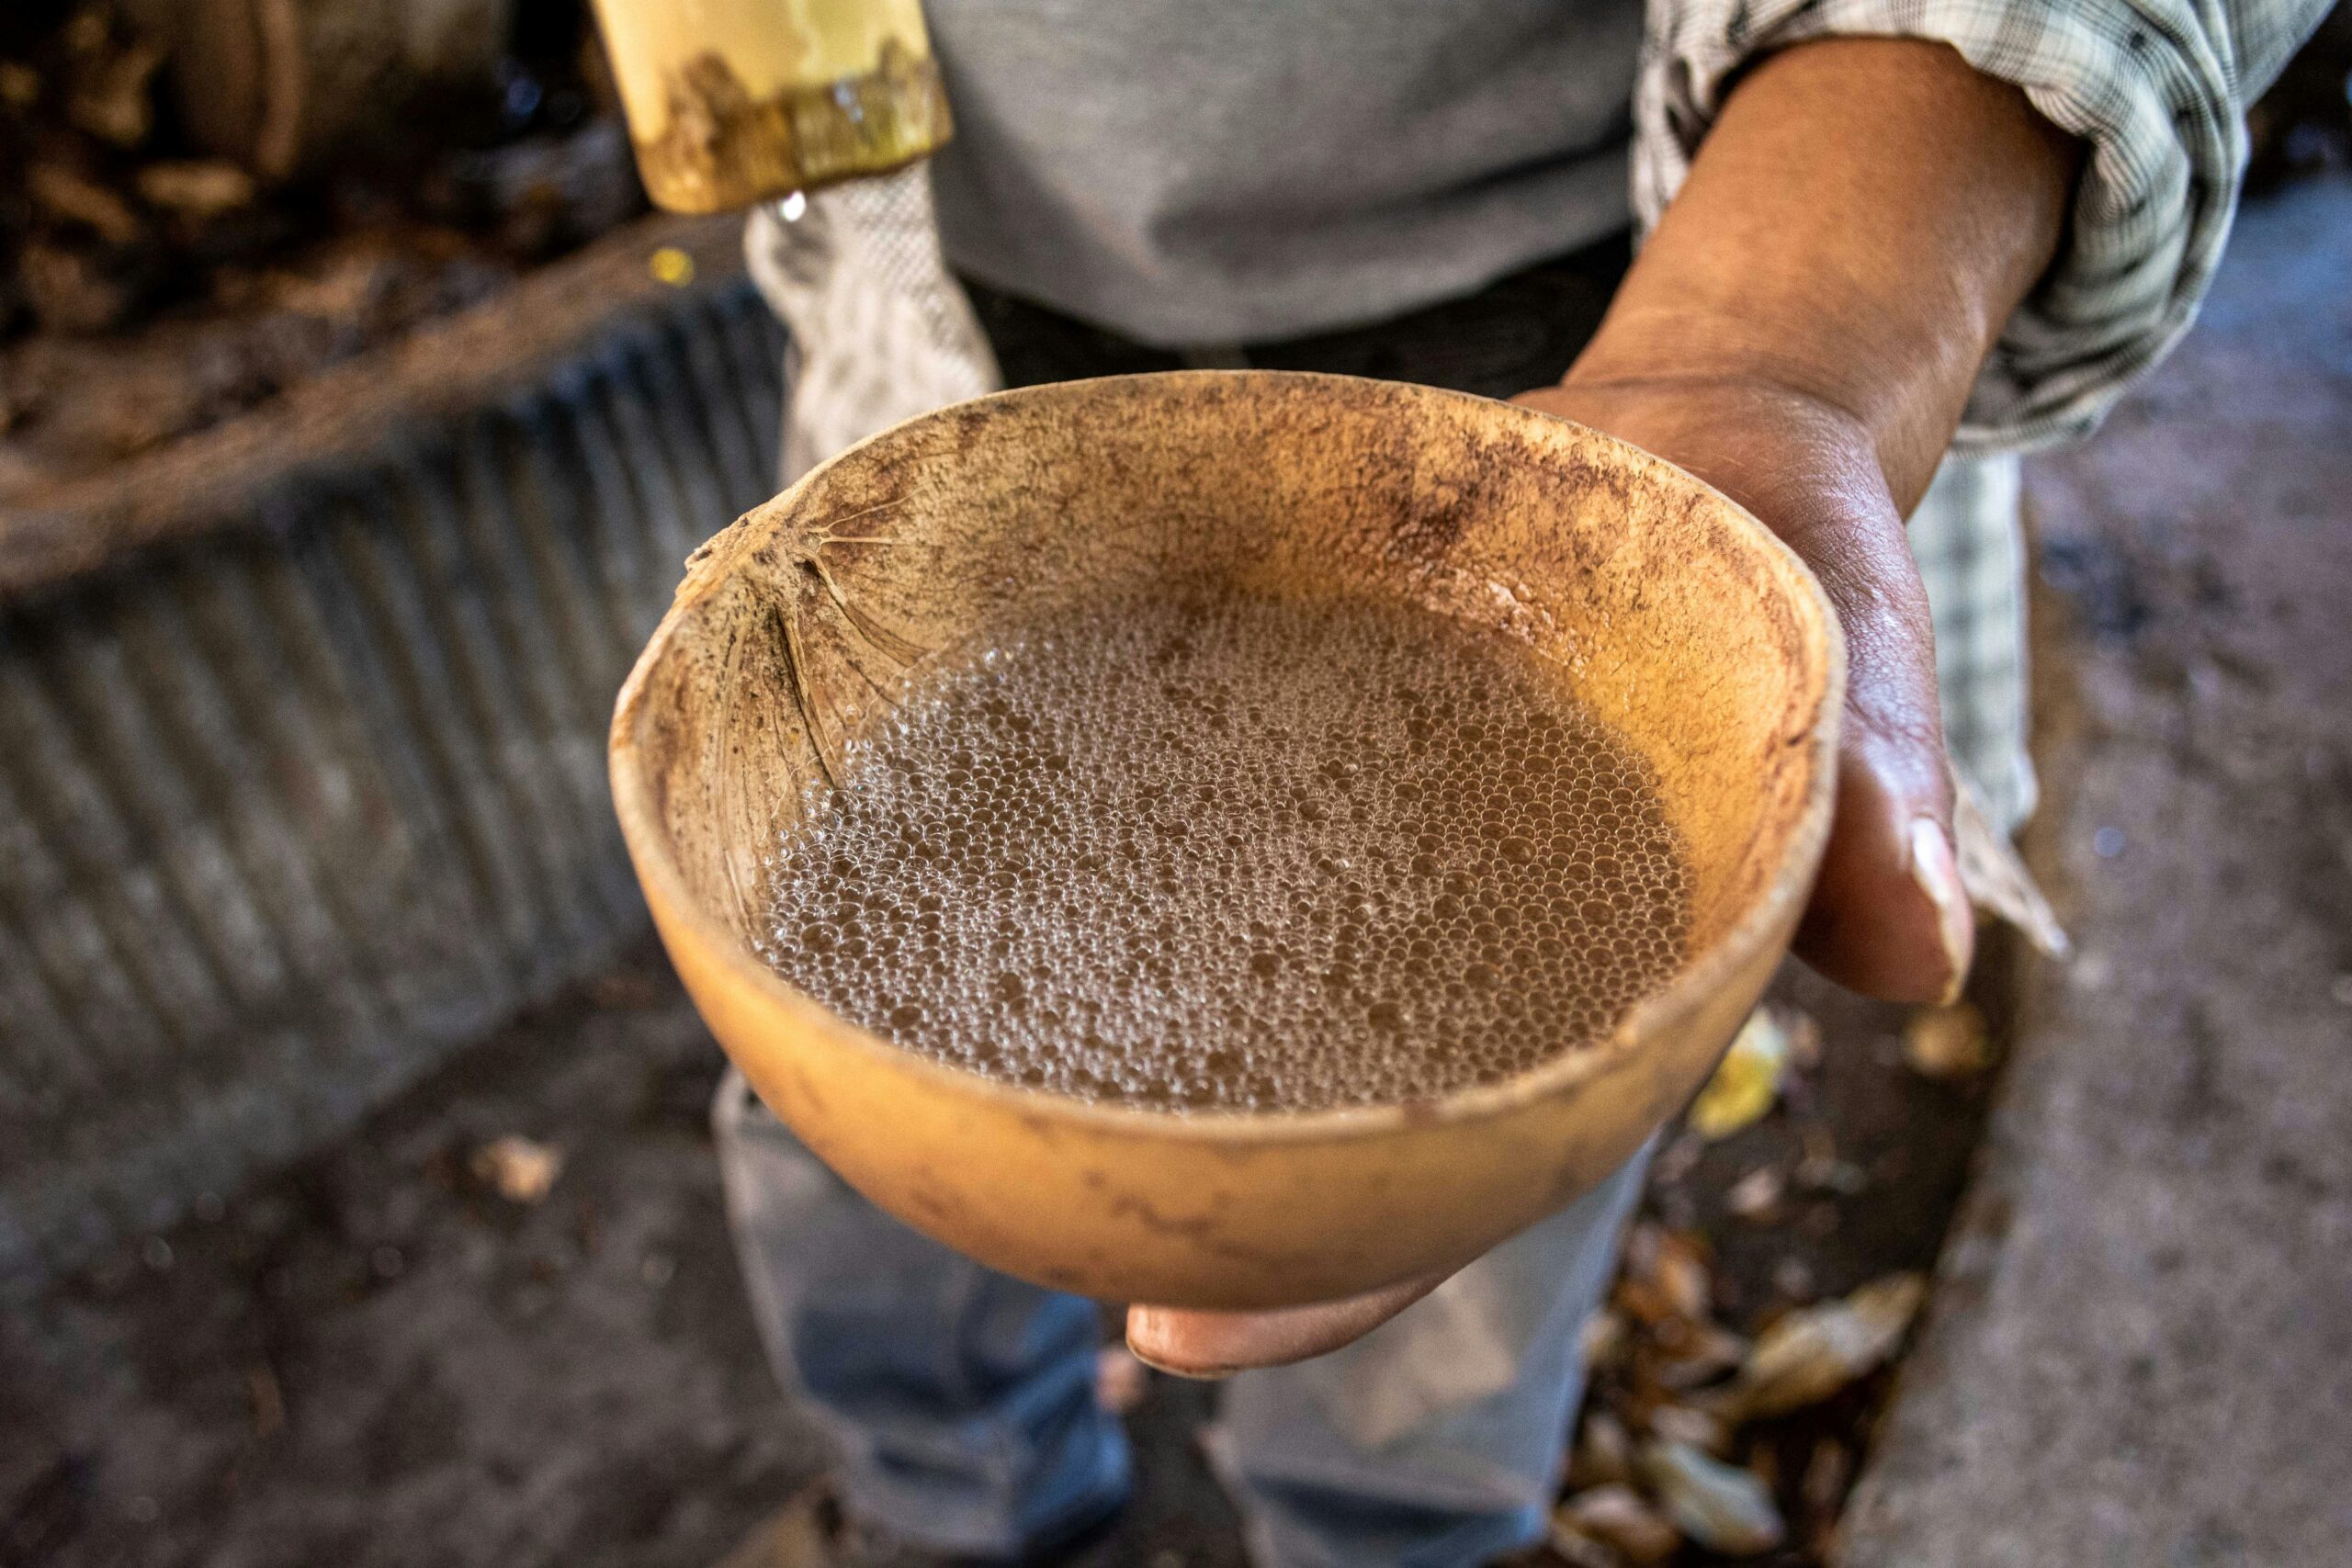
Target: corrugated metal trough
[302,727]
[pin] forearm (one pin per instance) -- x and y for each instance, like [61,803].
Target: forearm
[1857,228]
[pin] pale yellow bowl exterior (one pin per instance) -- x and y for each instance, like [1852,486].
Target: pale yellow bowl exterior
[1208,1211]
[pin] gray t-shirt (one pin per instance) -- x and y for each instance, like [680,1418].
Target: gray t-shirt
[1191,174]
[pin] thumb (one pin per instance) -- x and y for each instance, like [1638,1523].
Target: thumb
[1890,915]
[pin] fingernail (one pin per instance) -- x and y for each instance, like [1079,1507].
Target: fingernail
[1192,1374]
[1937,875]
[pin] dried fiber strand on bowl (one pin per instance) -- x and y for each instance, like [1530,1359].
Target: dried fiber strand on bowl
[804,695]
[821,532]
[888,642]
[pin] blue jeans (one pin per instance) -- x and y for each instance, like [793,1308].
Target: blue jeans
[960,1402]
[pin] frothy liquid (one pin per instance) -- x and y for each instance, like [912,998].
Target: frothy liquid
[1235,853]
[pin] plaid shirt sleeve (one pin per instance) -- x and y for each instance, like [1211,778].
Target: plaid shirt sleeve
[2157,89]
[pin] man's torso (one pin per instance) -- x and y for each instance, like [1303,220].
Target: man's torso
[1193,174]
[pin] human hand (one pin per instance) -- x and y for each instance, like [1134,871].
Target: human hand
[1801,332]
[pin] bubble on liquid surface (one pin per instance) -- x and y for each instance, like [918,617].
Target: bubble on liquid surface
[1227,853]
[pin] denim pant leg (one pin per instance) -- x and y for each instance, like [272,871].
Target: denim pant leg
[960,1402]
[1434,1441]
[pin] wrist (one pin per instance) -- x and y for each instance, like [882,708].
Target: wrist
[1848,365]
[1774,446]
[1694,353]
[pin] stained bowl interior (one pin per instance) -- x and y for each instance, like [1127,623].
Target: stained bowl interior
[1667,612]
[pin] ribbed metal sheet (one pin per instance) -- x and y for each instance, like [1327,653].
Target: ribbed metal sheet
[288,811]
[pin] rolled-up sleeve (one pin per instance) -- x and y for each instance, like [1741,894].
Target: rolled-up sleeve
[2157,89]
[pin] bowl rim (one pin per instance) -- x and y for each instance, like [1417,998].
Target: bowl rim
[1656,1015]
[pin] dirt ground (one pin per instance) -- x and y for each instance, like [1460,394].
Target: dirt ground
[377,1360]
[2139,1352]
